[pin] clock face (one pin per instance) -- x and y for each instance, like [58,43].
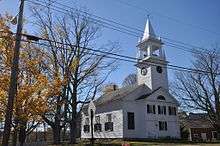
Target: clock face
[143,71]
[159,69]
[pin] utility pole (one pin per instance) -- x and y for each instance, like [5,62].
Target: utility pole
[13,79]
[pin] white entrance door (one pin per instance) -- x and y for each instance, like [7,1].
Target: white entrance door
[204,138]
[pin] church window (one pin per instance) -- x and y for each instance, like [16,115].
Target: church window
[172,110]
[109,117]
[161,97]
[87,121]
[131,121]
[162,125]
[161,110]
[151,109]
[97,119]
[97,125]
[159,69]
[109,123]
[86,126]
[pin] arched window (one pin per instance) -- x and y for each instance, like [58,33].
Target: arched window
[160,97]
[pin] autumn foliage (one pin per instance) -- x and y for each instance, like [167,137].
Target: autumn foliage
[35,84]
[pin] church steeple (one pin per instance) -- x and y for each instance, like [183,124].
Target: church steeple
[149,31]
[150,44]
[152,64]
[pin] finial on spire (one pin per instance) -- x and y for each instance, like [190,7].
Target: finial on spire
[148,16]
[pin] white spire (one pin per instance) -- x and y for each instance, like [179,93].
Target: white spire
[149,31]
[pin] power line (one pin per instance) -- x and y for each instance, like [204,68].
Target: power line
[131,59]
[96,20]
[119,56]
[118,29]
[119,26]
[168,17]
[98,17]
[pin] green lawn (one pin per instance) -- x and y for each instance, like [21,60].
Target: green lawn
[137,143]
[171,144]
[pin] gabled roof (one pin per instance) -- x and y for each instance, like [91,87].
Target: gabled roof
[117,94]
[196,120]
[142,92]
[198,116]
[165,91]
[148,94]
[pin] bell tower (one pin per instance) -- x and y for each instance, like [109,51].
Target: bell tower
[151,64]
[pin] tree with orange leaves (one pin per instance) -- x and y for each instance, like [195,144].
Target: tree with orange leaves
[35,85]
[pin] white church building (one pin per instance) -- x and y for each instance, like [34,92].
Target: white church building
[144,110]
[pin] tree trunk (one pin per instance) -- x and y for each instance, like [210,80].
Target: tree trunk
[73,128]
[64,133]
[73,131]
[22,133]
[56,124]
[45,132]
[65,112]
[14,137]
[56,134]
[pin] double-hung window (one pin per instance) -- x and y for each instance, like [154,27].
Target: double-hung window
[97,119]
[98,125]
[109,123]
[109,117]
[86,127]
[151,109]
[162,125]
[172,110]
[131,121]
[162,110]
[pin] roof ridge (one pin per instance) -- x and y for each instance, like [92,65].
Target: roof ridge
[114,94]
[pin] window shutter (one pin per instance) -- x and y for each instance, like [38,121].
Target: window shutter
[159,109]
[165,125]
[174,110]
[160,125]
[165,110]
[148,108]
[154,109]
[169,108]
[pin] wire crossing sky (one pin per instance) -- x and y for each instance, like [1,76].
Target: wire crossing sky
[201,14]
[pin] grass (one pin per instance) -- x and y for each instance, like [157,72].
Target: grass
[148,143]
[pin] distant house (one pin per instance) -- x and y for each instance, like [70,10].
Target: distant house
[144,110]
[199,127]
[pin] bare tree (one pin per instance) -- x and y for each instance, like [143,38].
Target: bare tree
[131,79]
[201,90]
[73,56]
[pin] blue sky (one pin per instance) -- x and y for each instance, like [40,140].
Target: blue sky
[200,13]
